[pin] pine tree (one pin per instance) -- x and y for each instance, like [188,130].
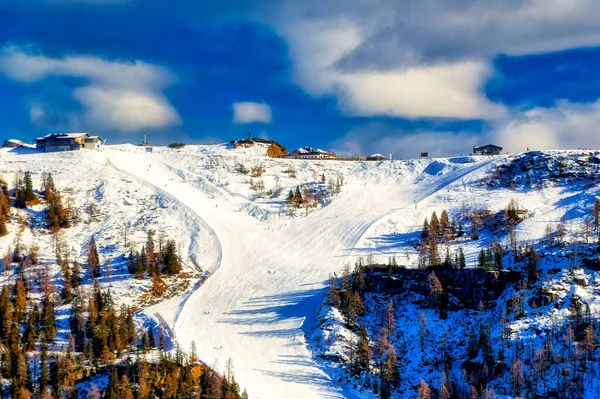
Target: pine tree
[481,259]
[44,371]
[150,261]
[29,194]
[171,261]
[434,225]
[533,272]
[48,319]
[363,352]
[596,213]
[461,259]
[448,264]
[298,200]
[93,259]
[161,339]
[425,231]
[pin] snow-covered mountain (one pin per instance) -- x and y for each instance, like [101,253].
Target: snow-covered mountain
[256,267]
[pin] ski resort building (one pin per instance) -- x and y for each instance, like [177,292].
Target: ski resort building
[310,153]
[489,149]
[12,143]
[375,157]
[68,142]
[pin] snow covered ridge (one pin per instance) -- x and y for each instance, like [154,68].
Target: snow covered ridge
[265,259]
[381,340]
[539,169]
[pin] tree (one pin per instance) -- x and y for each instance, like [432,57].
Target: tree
[425,231]
[461,259]
[596,213]
[390,317]
[423,332]
[94,392]
[150,261]
[3,229]
[29,194]
[433,254]
[448,260]
[4,200]
[48,319]
[362,359]
[424,391]
[517,379]
[444,224]
[434,226]
[19,190]
[93,259]
[532,267]
[44,372]
[171,261]
[355,307]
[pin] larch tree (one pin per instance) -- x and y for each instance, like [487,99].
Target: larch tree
[424,391]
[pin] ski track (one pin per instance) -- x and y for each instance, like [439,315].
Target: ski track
[254,308]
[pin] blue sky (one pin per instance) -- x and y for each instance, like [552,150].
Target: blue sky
[357,76]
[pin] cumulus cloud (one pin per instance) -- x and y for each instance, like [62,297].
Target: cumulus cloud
[422,58]
[452,90]
[249,112]
[565,126]
[379,137]
[115,95]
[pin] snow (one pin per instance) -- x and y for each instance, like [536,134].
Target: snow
[264,270]
[259,318]
[310,150]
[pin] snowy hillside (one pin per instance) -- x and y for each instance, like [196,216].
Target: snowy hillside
[256,260]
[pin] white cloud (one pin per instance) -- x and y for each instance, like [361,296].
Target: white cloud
[249,112]
[381,138]
[116,95]
[452,89]
[565,126]
[127,110]
[421,58]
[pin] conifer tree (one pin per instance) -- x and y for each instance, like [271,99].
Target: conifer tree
[532,265]
[44,370]
[48,319]
[461,259]
[363,352]
[93,260]
[434,225]
[171,261]
[425,231]
[29,195]
[433,254]
[444,223]
[596,213]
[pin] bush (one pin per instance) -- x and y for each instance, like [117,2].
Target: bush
[177,145]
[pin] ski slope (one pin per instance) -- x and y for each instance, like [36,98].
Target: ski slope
[256,307]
